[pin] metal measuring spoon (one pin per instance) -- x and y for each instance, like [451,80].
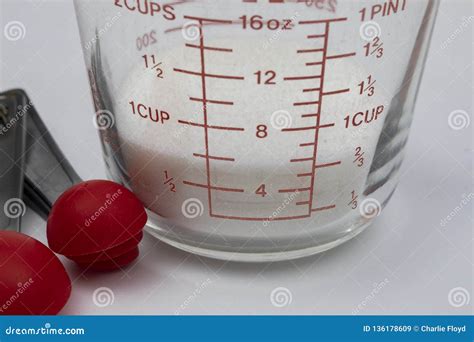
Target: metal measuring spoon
[43,169]
[12,147]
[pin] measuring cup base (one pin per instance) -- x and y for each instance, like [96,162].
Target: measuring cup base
[239,255]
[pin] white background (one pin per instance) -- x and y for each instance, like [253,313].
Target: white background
[418,260]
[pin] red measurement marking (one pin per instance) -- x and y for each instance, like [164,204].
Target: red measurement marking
[303,203]
[375,47]
[329,207]
[169,181]
[195,73]
[321,166]
[240,218]
[205,100]
[345,55]
[213,157]
[319,94]
[293,190]
[222,128]
[335,92]
[309,50]
[318,118]
[209,48]
[299,129]
[305,175]
[301,160]
[310,115]
[313,63]
[315,36]
[378,50]
[202,47]
[159,71]
[354,201]
[204,113]
[367,86]
[210,20]
[217,188]
[325,126]
[154,65]
[308,103]
[300,78]
[322,21]
[359,154]
[201,24]
[309,90]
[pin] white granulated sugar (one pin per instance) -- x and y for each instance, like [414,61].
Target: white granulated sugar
[152,149]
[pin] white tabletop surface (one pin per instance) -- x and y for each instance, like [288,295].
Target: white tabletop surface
[413,260]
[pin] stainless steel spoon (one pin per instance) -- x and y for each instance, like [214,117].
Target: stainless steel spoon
[35,169]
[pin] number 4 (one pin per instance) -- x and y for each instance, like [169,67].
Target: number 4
[261,190]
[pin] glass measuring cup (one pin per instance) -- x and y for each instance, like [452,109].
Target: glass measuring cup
[256,130]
